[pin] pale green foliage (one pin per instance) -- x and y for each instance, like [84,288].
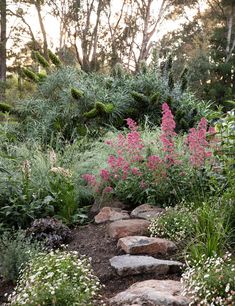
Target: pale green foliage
[15,251]
[58,278]
[69,100]
[175,224]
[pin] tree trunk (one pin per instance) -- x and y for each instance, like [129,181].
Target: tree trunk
[3,39]
[42,27]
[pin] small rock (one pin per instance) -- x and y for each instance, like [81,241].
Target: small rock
[98,205]
[147,212]
[146,245]
[123,228]
[111,214]
[152,293]
[126,265]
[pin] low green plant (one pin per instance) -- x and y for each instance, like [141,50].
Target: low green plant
[211,231]
[58,278]
[175,224]
[38,186]
[15,252]
[211,281]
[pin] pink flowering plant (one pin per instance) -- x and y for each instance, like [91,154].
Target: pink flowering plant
[136,173]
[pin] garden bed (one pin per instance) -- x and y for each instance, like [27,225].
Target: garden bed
[92,240]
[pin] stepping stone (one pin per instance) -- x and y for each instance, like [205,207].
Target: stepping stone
[111,214]
[98,205]
[152,293]
[147,212]
[126,265]
[146,245]
[123,228]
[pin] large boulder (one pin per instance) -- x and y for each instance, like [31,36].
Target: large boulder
[111,214]
[152,293]
[126,265]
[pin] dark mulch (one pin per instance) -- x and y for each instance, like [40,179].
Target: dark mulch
[92,240]
[5,288]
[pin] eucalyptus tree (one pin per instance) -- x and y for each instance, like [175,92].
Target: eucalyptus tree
[3,41]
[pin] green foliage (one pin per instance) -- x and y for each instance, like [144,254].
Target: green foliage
[37,188]
[211,281]
[175,224]
[184,79]
[15,252]
[211,231]
[59,278]
[5,108]
[103,100]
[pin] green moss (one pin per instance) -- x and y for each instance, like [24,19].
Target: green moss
[42,76]
[139,98]
[41,59]
[32,76]
[54,59]
[76,93]
[109,108]
[91,114]
[100,107]
[81,129]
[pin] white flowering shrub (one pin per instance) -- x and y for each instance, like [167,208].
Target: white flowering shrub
[175,224]
[58,278]
[211,281]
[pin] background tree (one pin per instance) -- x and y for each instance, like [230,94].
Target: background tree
[3,41]
[206,44]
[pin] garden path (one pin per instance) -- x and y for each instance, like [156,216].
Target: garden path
[137,270]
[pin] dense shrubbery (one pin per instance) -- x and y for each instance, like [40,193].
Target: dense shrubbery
[70,103]
[15,252]
[211,281]
[64,280]
[39,185]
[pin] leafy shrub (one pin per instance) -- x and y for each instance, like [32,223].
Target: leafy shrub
[57,278]
[38,187]
[175,224]
[166,169]
[211,281]
[51,231]
[15,252]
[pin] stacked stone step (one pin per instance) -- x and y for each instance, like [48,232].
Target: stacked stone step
[131,233]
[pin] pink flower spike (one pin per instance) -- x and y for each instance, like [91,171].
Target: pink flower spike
[167,136]
[90,179]
[104,174]
[132,125]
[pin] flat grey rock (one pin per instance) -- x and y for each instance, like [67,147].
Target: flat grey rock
[125,265]
[147,212]
[152,293]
